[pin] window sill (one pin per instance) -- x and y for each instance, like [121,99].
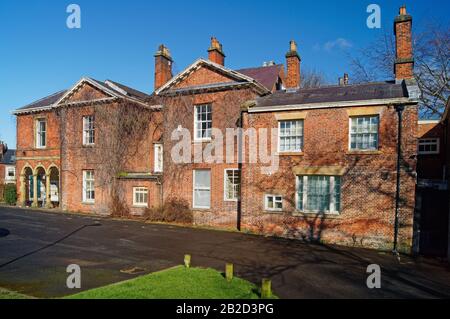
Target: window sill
[299,213]
[88,203]
[230,200]
[201,208]
[362,152]
[290,153]
[139,206]
[268,211]
[88,145]
[202,141]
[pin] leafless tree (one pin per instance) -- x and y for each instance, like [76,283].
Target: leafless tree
[431,55]
[312,78]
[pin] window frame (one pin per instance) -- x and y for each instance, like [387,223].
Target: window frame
[197,122]
[225,180]
[88,130]
[85,188]
[156,167]
[142,190]
[274,209]
[437,142]
[350,133]
[302,136]
[194,189]
[332,193]
[38,133]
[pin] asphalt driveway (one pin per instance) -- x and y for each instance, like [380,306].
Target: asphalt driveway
[36,247]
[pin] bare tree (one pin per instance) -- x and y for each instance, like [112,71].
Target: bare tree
[312,79]
[431,69]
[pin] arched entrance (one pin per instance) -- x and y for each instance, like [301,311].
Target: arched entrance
[27,187]
[53,189]
[39,190]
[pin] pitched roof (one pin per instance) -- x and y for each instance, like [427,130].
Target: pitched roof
[237,76]
[9,158]
[111,87]
[266,75]
[44,102]
[329,94]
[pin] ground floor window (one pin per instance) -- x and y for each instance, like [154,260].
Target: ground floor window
[232,184]
[88,187]
[140,196]
[202,189]
[273,202]
[319,194]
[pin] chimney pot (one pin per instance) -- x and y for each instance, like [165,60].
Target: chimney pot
[163,66]
[293,60]
[402,10]
[215,52]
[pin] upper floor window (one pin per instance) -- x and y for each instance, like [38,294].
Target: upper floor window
[158,154]
[318,194]
[88,130]
[41,133]
[202,122]
[10,173]
[88,187]
[232,184]
[290,136]
[429,145]
[364,133]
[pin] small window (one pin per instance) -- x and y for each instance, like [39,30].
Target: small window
[88,187]
[202,189]
[232,184]
[158,158]
[318,194]
[290,136]
[203,122]
[429,146]
[364,133]
[140,196]
[41,133]
[11,172]
[88,130]
[273,202]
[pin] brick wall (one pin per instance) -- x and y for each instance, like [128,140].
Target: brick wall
[368,182]
[431,166]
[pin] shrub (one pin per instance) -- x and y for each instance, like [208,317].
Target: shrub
[10,194]
[174,210]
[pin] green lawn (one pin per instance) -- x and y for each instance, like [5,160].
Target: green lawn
[7,294]
[175,283]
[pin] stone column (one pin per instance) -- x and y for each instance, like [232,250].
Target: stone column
[35,191]
[48,202]
[23,191]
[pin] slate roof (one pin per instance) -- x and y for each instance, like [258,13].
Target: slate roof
[266,75]
[46,101]
[9,158]
[357,92]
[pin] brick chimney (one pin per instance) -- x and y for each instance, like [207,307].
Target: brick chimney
[163,66]
[3,149]
[292,80]
[215,52]
[404,62]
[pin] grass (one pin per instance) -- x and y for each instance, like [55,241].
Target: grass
[175,283]
[7,294]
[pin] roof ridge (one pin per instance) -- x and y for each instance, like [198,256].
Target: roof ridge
[44,98]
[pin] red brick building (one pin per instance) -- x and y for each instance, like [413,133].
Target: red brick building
[333,151]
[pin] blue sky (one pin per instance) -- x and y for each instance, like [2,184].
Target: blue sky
[39,55]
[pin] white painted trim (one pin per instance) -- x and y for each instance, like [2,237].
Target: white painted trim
[201,139]
[83,188]
[428,121]
[350,134]
[193,190]
[135,204]
[438,142]
[198,63]
[266,208]
[279,137]
[276,108]
[225,178]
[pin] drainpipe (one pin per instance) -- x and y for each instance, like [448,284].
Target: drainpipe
[399,109]
[240,159]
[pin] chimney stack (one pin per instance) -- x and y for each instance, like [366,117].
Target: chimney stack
[215,52]
[344,80]
[163,66]
[293,60]
[404,61]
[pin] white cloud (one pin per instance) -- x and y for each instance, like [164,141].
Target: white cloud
[337,44]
